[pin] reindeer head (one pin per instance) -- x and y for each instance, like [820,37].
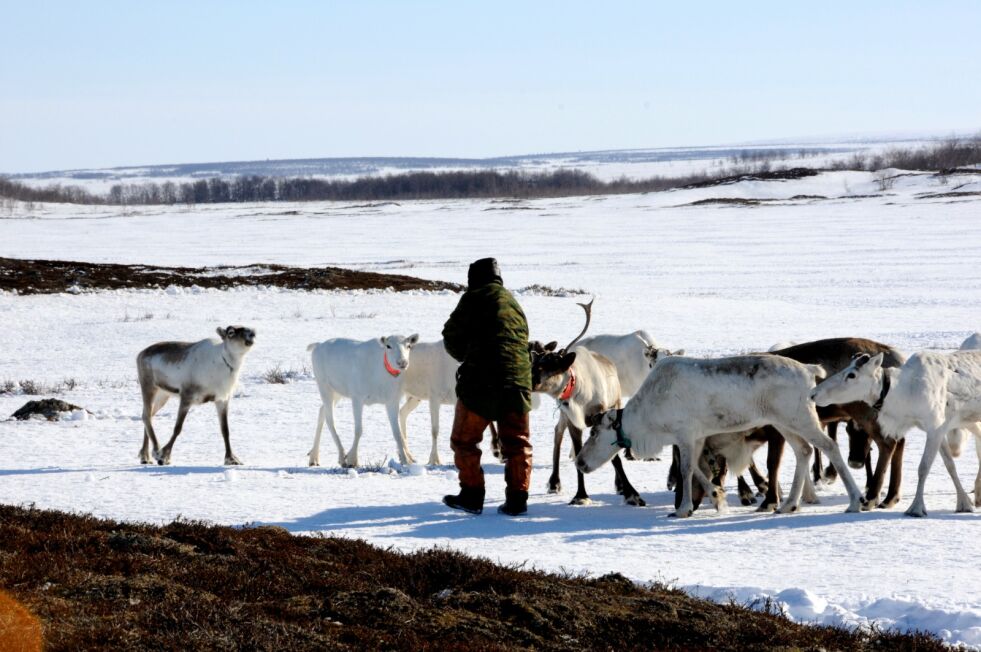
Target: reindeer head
[859,381]
[397,349]
[653,354]
[601,446]
[237,338]
[548,365]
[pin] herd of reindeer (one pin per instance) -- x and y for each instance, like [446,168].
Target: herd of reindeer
[715,413]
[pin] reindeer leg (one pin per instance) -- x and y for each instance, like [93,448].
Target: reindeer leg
[674,474]
[761,484]
[554,483]
[686,468]
[746,494]
[495,442]
[886,449]
[164,456]
[774,453]
[964,503]
[222,409]
[581,497]
[630,495]
[895,475]
[830,473]
[153,399]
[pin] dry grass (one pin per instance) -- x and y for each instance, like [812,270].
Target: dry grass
[97,584]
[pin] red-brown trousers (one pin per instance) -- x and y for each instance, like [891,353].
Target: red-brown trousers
[468,431]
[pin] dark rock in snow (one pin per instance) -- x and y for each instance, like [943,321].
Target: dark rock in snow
[50,408]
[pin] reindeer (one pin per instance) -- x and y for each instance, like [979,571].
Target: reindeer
[935,392]
[368,373]
[583,383]
[684,400]
[198,372]
[834,354]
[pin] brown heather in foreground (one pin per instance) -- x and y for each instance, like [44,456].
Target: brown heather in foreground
[98,584]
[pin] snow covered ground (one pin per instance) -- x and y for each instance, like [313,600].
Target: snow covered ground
[899,266]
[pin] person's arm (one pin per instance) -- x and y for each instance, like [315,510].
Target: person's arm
[456,331]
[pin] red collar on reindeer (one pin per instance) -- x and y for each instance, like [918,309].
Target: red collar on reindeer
[389,368]
[570,387]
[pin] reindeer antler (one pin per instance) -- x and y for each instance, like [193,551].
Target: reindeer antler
[588,307]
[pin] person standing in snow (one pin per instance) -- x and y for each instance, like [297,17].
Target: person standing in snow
[488,334]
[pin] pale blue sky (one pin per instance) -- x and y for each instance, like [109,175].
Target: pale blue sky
[94,84]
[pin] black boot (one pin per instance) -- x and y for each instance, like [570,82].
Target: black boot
[515,503]
[470,500]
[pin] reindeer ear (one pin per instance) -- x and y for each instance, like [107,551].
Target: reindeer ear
[382,340]
[222,333]
[551,346]
[594,419]
[566,361]
[876,362]
[412,339]
[860,359]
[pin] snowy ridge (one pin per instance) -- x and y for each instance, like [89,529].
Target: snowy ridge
[903,612]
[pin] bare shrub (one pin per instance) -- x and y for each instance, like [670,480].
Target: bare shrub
[884,180]
[546,291]
[31,387]
[279,376]
[147,316]
[364,315]
[8,387]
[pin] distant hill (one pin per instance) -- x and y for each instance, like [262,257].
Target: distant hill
[367,166]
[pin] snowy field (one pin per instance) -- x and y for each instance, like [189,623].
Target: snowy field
[899,266]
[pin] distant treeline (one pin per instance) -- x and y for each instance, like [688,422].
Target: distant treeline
[465,183]
[411,185]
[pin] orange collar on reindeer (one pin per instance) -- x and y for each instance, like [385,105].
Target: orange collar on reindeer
[389,368]
[570,387]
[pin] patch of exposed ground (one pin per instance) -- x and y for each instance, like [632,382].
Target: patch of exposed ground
[99,584]
[50,276]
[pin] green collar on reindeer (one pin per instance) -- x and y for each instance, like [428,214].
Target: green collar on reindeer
[622,440]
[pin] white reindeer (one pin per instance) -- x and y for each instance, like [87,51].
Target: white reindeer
[935,392]
[368,373]
[630,353]
[972,343]
[684,400]
[198,372]
[957,437]
[431,377]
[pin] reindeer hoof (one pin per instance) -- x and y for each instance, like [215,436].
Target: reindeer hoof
[635,500]
[554,487]
[767,508]
[747,500]
[314,463]
[681,514]
[581,500]
[232,460]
